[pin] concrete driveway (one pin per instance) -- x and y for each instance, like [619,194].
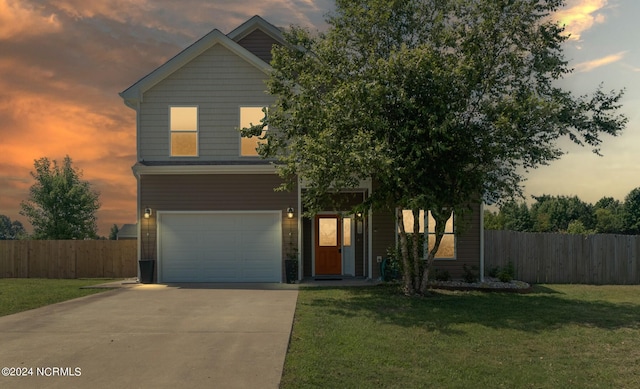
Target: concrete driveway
[153,336]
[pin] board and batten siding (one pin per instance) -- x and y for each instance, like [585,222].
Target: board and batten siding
[219,83]
[212,192]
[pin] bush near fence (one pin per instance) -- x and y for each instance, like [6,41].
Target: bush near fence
[565,258]
[68,258]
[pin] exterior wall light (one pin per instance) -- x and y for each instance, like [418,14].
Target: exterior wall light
[147,213]
[290,213]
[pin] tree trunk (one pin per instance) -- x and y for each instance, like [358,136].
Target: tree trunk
[417,257]
[404,250]
[441,215]
[427,266]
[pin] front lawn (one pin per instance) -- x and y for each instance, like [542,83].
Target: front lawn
[558,336]
[21,294]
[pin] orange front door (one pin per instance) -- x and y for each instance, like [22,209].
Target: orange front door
[328,245]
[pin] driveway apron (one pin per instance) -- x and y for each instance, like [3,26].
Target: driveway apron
[152,336]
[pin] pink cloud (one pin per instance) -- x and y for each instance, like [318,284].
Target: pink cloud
[596,63]
[580,15]
[19,20]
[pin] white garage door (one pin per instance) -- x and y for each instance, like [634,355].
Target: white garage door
[220,247]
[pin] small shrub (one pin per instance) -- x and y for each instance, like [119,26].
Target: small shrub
[469,275]
[393,265]
[504,276]
[506,273]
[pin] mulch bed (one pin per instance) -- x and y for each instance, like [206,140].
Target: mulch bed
[489,285]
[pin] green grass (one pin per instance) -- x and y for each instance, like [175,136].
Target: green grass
[560,336]
[21,294]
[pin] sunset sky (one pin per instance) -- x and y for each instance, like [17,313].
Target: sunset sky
[63,63]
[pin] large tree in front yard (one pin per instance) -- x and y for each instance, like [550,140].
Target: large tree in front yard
[442,103]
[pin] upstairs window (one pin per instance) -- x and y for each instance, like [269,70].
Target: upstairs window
[183,125]
[447,249]
[250,116]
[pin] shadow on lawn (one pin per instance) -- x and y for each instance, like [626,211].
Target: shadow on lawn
[543,309]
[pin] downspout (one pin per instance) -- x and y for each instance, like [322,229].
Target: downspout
[365,241]
[370,246]
[482,242]
[369,229]
[299,215]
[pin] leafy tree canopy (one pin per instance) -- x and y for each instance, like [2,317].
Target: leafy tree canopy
[608,214]
[10,230]
[113,234]
[555,213]
[439,102]
[632,212]
[60,205]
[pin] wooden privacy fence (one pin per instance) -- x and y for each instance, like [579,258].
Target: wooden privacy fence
[565,258]
[68,258]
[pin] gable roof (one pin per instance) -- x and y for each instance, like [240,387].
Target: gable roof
[134,93]
[255,23]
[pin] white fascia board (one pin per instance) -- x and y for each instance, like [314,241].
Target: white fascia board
[139,170]
[133,94]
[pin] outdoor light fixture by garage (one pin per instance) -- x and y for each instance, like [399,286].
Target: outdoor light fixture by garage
[290,213]
[147,213]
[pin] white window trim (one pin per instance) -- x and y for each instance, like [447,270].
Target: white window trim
[430,234]
[452,233]
[197,131]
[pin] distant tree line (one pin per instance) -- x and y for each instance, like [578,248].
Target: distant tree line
[11,229]
[569,214]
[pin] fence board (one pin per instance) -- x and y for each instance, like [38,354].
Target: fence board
[565,258]
[68,259]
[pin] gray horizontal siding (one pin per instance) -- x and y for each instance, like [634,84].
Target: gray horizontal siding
[219,83]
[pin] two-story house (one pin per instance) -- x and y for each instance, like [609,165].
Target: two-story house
[207,209]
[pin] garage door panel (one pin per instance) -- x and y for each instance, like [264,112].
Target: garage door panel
[220,247]
[257,256]
[258,240]
[223,270]
[219,242]
[261,273]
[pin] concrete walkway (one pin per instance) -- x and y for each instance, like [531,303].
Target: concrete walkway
[153,336]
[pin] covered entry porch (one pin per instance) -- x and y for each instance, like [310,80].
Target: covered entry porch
[336,242]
